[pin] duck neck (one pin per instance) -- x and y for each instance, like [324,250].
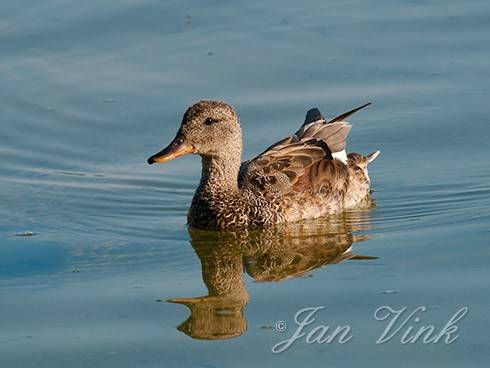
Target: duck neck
[220,173]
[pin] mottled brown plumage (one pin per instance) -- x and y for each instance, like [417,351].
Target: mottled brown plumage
[304,176]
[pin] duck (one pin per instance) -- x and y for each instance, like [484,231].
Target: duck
[304,176]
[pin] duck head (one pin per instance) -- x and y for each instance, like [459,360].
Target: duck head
[208,128]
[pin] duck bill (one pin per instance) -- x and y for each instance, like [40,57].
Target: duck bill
[173,150]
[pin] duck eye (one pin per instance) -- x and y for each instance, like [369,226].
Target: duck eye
[210,121]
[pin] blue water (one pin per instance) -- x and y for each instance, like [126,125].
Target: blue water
[90,89]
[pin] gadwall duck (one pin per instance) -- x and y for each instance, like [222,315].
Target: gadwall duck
[304,176]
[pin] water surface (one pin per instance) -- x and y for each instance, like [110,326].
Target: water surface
[93,241]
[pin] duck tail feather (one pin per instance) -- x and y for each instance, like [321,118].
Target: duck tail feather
[372,156]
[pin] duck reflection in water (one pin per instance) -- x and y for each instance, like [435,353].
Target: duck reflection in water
[267,255]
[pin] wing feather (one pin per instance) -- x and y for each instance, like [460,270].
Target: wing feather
[304,160]
[277,170]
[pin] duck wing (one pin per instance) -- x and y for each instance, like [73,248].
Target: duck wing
[299,162]
[278,168]
[333,132]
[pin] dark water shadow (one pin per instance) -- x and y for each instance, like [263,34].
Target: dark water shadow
[267,255]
